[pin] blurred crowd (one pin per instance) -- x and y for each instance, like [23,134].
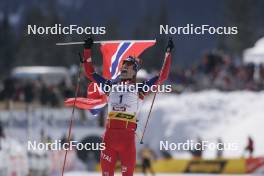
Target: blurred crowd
[34,91]
[214,71]
[219,71]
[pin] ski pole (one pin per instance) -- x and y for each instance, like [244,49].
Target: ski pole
[153,100]
[72,114]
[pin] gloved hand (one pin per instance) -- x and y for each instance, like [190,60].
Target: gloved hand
[170,45]
[88,43]
[81,58]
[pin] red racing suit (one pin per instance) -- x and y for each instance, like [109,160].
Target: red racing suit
[119,136]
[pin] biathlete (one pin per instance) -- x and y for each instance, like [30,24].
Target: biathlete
[121,122]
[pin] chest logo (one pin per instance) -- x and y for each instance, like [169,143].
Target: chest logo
[119,108]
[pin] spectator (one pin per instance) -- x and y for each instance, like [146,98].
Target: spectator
[198,151]
[54,96]
[2,134]
[147,155]
[9,92]
[220,149]
[29,92]
[250,147]
[44,95]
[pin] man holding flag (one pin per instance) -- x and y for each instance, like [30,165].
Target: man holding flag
[120,69]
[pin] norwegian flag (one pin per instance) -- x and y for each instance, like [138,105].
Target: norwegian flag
[94,102]
[114,53]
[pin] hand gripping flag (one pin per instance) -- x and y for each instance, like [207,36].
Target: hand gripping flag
[114,53]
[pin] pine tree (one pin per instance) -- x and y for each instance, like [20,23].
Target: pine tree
[7,46]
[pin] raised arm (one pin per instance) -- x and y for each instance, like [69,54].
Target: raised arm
[88,65]
[163,75]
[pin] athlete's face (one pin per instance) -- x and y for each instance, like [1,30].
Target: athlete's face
[127,70]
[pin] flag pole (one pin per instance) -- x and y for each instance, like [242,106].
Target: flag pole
[103,42]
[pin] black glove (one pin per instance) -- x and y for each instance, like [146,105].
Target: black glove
[88,43]
[81,57]
[170,45]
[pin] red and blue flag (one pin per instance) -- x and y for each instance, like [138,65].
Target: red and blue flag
[114,53]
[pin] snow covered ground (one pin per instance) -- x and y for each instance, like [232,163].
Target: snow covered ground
[177,118]
[208,114]
[119,174]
